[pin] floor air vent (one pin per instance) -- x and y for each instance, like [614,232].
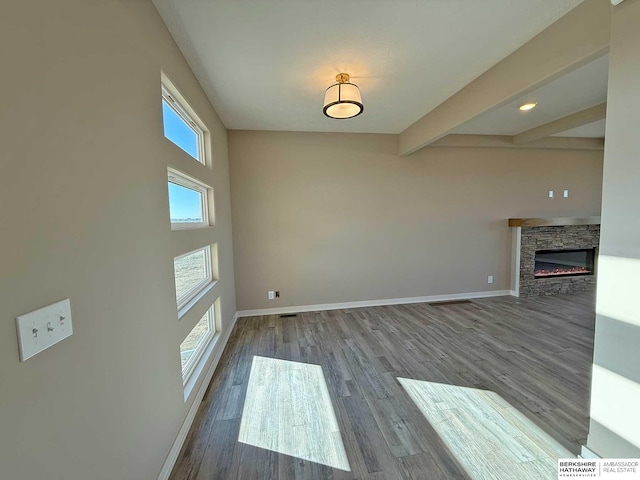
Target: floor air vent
[288,315]
[448,302]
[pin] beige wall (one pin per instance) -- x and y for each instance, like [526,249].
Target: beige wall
[615,394]
[329,218]
[83,171]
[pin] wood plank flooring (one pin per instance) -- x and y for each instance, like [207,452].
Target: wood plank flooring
[535,353]
[288,409]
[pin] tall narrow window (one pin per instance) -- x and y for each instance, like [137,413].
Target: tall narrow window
[192,273]
[187,202]
[190,207]
[180,127]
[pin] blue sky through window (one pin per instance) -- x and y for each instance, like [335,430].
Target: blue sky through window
[185,205]
[178,131]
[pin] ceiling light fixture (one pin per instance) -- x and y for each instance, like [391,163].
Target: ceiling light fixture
[342,99]
[528,106]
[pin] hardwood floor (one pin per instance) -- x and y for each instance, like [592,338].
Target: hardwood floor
[535,353]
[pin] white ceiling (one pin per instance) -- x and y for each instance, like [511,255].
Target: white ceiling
[582,88]
[265,64]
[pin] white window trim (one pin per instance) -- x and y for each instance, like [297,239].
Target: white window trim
[195,125]
[193,361]
[187,182]
[199,369]
[202,284]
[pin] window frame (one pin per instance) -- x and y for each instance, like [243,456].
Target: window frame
[174,102]
[196,289]
[182,180]
[192,363]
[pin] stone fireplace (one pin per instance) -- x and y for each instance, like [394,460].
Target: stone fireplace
[554,255]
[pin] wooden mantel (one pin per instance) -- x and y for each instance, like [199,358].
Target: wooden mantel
[553,222]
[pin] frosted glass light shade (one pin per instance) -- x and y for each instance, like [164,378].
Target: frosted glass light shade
[342,100]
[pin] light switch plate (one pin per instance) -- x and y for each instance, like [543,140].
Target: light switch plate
[40,329]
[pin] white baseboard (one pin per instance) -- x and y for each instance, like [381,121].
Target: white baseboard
[585,452]
[172,457]
[371,303]
[514,293]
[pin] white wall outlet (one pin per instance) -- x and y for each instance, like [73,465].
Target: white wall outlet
[40,329]
[565,194]
[271,294]
[490,279]
[550,193]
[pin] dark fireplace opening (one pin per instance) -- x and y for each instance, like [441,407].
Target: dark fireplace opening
[564,263]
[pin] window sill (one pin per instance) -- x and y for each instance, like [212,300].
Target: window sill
[177,227]
[187,306]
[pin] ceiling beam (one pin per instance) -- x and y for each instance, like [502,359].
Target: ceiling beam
[583,117]
[575,39]
[506,141]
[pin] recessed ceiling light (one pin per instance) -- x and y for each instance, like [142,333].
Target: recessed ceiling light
[528,106]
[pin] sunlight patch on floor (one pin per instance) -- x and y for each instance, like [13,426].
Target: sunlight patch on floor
[489,437]
[288,410]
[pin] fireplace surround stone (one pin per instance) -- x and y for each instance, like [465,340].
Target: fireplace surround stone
[529,239]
